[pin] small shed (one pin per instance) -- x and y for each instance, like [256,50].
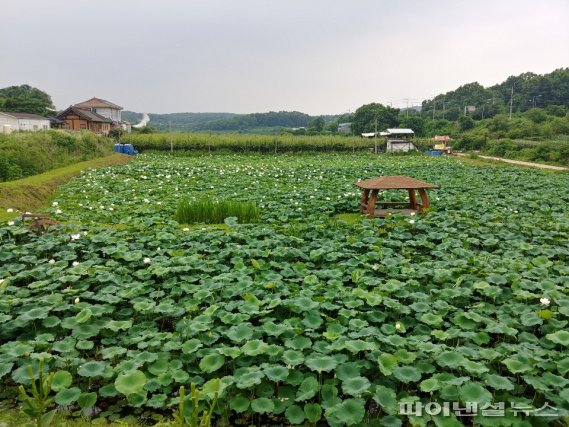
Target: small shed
[371,187]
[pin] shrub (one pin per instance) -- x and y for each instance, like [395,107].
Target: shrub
[215,212]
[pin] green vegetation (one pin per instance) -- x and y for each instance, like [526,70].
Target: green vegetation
[307,317]
[25,99]
[30,153]
[29,194]
[245,143]
[216,212]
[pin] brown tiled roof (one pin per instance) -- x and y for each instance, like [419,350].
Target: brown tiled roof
[97,103]
[398,182]
[84,114]
[24,115]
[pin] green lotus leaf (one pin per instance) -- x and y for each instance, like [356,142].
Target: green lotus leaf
[386,398]
[295,415]
[474,392]
[87,400]
[298,343]
[348,370]
[355,386]
[407,374]
[292,357]
[313,412]
[61,380]
[432,319]
[254,348]
[262,405]
[349,412]
[320,363]
[240,332]
[92,369]
[239,404]
[387,362]
[84,315]
[5,368]
[191,346]
[430,385]
[131,382]
[498,383]
[559,337]
[308,389]
[67,396]
[516,366]
[276,373]
[212,362]
[449,359]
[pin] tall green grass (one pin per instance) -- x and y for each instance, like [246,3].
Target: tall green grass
[214,212]
[246,143]
[25,154]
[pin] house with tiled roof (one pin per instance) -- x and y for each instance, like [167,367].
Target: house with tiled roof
[79,119]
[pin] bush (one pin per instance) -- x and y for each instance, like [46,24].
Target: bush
[29,153]
[215,212]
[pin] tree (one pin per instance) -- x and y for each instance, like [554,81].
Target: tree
[25,99]
[465,123]
[316,125]
[366,116]
[415,122]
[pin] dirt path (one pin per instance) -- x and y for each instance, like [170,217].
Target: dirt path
[519,162]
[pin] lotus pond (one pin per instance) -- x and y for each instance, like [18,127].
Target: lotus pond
[307,319]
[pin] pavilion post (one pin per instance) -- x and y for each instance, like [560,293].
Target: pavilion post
[365,199]
[372,202]
[424,198]
[412,198]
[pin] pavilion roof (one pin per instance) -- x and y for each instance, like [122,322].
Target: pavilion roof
[398,182]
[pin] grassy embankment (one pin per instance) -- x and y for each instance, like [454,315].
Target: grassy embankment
[29,194]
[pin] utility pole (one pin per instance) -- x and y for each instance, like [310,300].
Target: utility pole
[434,106]
[375,137]
[511,102]
[407,110]
[170,136]
[444,99]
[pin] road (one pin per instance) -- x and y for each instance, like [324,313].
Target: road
[519,162]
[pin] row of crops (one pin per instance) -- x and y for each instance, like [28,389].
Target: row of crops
[304,318]
[246,142]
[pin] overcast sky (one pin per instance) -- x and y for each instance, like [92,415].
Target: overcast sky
[244,56]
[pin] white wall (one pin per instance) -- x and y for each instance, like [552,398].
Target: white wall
[109,113]
[8,124]
[33,124]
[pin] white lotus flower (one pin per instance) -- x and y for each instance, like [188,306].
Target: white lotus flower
[2,281]
[411,221]
[76,300]
[76,236]
[10,222]
[398,326]
[147,260]
[545,301]
[9,210]
[146,201]
[52,261]
[55,204]
[58,211]
[186,229]
[75,263]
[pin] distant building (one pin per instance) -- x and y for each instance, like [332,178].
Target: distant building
[399,140]
[82,119]
[345,128]
[10,122]
[106,109]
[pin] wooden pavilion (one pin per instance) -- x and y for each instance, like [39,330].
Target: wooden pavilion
[370,190]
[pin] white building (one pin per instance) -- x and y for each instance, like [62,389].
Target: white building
[10,122]
[399,140]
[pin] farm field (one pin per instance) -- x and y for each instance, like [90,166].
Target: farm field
[307,317]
